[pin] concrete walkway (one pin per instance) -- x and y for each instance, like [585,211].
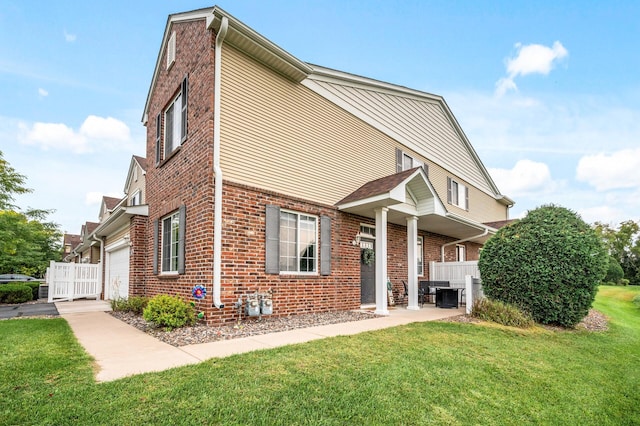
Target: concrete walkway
[121,350]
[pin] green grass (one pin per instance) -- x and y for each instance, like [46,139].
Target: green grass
[428,373]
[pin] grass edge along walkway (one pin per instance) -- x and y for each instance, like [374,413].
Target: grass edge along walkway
[424,373]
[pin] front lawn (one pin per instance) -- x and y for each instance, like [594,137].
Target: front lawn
[428,373]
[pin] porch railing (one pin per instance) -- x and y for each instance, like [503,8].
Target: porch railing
[68,281]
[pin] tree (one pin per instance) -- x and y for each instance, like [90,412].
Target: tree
[623,244]
[11,182]
[27,241]
[27,244]
[549,264]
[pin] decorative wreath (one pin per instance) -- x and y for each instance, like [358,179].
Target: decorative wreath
[368,256]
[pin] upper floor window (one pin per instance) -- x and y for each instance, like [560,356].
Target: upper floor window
[457,194]
[136,199]
[175,124]
[405,161]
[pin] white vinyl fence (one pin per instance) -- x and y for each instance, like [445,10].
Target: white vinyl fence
[454,272]
[68,281]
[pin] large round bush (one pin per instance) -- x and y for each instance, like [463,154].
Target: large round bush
[549,264]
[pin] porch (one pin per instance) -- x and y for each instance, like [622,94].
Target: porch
[408,199]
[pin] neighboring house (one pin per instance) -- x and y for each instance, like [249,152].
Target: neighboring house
[69,242]
[122,226]
[88,249]
[269,173]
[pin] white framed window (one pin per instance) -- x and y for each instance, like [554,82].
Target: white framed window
[298,243]
[457,194]
[461,253]
[405,161]
[136,199]
[420,254]
[170,242]
[175,121]
[368,231]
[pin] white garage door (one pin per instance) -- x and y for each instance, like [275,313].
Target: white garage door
[117,282]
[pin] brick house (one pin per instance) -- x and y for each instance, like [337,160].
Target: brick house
[266,173]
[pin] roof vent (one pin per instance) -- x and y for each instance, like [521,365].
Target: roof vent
[171,50]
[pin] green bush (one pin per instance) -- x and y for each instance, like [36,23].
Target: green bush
[34,286]
[548,264]
[501,313]
[169,312]
[15,293]
[614,271]
[623,282]
[135,304]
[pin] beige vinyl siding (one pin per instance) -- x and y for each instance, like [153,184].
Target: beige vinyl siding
[115,237]
[416,121]
[274,135]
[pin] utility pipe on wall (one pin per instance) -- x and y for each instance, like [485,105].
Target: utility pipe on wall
[217,170]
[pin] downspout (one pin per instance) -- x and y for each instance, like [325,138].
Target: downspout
[486,231]
[102,262]
[217,170]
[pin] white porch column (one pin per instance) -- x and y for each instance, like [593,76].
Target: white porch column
[412,262]
[381,261]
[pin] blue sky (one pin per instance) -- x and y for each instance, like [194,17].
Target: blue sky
[547,92]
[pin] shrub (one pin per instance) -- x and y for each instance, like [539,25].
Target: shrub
[501,313]
[614,271]
[623,282]
[34,286]
[169,312]
[548,264]
[135,304]
[15,293]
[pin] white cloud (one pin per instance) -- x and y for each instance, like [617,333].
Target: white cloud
[96,133]
[104,128]
[525,177]
[530,59]
[42,92]
[604,172]
[69,38]
[54,136]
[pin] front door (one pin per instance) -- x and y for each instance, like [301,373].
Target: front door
[367,272]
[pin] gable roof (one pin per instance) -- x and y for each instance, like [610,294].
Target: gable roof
[418,120]
[136,161]
[377,187]
[110,202]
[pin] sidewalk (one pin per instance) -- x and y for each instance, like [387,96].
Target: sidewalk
[121,350]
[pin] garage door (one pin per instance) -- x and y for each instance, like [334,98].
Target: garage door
[117,282]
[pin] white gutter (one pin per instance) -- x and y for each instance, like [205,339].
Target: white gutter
[217,170]
[486,231]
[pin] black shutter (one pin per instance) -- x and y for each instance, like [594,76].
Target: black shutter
[399,158]
[158,138]
[182,228]
[466,198]
[272,248]
[449,196]
[183,129]
[156,241]
[325,245]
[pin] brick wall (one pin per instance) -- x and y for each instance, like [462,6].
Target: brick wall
[138,255]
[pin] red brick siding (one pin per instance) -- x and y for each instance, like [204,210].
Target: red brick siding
[138,255]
